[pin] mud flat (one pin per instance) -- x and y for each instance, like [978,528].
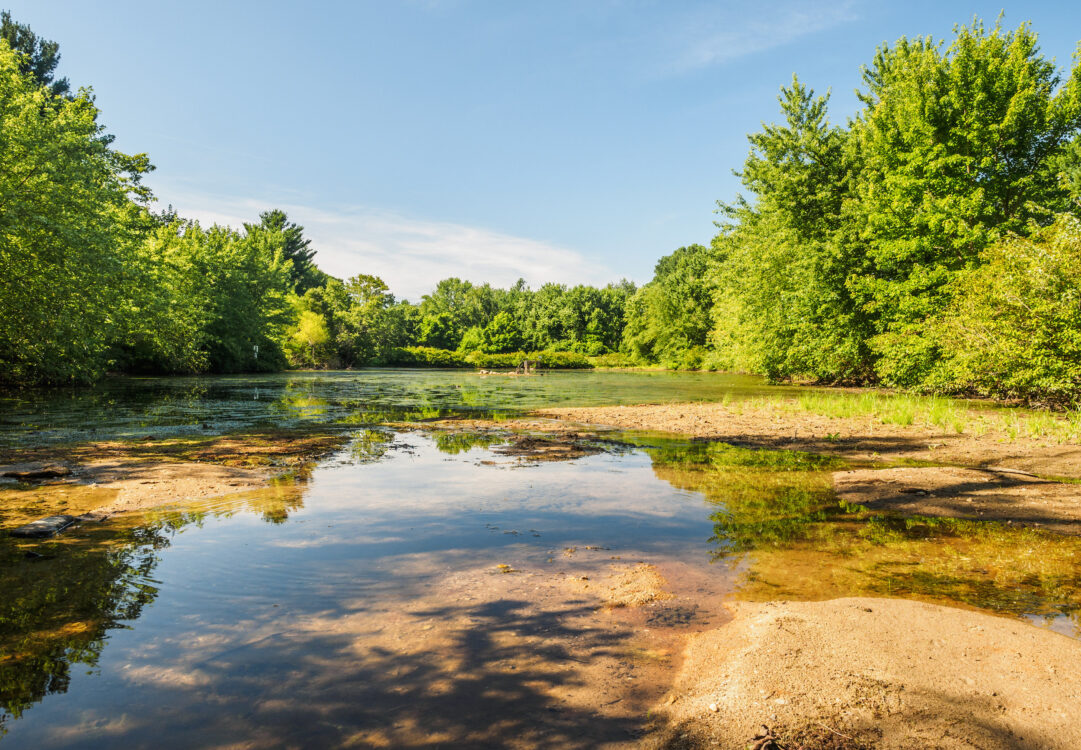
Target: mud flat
[105,478]
[859,437]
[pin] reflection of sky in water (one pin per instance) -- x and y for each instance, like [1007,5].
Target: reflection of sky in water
[255,621]
[135,407]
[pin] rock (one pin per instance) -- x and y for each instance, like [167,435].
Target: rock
[714,707]
[44,527]
[46,472]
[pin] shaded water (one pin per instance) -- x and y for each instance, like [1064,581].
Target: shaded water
[423,590]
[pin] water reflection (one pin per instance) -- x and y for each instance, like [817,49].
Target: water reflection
[358,603]
[135,407]
[777,515]
[362,600]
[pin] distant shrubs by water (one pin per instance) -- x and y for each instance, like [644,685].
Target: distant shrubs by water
[426,356]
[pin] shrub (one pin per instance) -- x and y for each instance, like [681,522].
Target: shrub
[1013,329]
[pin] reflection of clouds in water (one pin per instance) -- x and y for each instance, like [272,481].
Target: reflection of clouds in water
[162,676]
[360,550]
[435,485]
[93,724]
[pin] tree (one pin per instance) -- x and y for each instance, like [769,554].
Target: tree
[501,335]
[71,214]
[1013,326]
[40,56]
[782,305]
[670,315]
[297,249]
[956,148]
[308,339]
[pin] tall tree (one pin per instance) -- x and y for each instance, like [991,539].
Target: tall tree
[957,148]
[40,56]
[70,216]
[297,249]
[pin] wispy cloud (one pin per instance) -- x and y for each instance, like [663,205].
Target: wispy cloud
[411,254]
[719,37]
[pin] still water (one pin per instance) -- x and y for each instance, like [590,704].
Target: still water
[424,589]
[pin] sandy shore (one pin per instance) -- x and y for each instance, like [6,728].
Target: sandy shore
[879,673]
[882,673]
[863,438]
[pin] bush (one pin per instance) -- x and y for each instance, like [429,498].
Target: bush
[426,356]
[548,360]
[1013,329]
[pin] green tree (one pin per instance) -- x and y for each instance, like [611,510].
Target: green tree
[956,148]
[307,339]
[297,249]
[501,335]
[70,218]
[1013,327]
[40,56]
[782,304]
[670,316]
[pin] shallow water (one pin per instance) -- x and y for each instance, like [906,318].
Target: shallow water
[135,407]
[421,589]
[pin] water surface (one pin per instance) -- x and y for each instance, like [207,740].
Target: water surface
[422,589]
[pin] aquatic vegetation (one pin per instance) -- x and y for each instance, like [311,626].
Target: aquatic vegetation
[778,515]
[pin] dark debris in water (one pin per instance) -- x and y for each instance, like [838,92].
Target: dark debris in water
[555,448]
[674,616]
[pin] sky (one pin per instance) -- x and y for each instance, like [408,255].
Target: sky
[574,142]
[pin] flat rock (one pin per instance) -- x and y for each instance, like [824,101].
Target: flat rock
[46,472]
[44,527]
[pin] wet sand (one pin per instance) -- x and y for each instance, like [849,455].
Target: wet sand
[870,672]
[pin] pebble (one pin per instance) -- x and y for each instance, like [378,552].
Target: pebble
[714,707]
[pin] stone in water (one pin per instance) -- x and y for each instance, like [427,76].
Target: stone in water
[44,527]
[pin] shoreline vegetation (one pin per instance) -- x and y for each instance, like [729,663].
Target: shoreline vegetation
[930,244]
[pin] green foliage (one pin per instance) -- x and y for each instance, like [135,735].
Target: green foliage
[69,220]
[501,335]
[781,304]
[39,56]
[438,330]
[955,149]
[426,356]
[670,315]
[858,240]
[1013,329]
[472,341]
[308,339]
[296,249]
[548,360]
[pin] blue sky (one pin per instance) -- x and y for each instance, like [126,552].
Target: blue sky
[562,141]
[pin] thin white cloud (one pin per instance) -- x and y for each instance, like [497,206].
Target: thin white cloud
[410,254]
[720,38]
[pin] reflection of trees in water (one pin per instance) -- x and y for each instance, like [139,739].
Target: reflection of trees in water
[56,608]
[777,512]
[455,442]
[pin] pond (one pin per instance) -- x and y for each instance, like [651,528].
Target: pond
[429,587]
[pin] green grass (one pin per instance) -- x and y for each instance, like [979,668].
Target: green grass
[946,414]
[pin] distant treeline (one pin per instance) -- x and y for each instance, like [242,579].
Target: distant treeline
[932,242]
